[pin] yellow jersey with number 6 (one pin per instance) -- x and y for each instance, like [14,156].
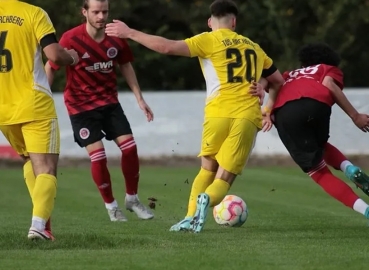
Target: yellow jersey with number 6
[230,63]
[25,93]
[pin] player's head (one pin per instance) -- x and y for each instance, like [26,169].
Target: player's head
[223,14]
[318,53]
[96,12]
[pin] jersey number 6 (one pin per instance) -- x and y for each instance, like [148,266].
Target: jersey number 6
[251,61]
[6,62]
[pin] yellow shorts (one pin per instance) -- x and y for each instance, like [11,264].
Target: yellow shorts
[41,136]
[229,141]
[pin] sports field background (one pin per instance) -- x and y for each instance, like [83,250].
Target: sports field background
[292,225]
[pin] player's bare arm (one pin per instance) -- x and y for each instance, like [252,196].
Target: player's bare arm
[50,73]
[360,120]
[130,75]
[275,81]
[56,53]
[155,43]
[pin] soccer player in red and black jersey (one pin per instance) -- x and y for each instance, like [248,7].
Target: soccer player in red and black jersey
[302,113]
[91,99]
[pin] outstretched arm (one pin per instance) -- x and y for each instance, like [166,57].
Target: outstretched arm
[155,43]
[360,120]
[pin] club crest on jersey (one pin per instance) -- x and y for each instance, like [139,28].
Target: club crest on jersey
[112,52]
[84,133]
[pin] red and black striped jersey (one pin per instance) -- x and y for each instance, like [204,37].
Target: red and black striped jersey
[92,83]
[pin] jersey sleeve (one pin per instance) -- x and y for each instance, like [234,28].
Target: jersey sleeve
[42,24]
[200,45]
[125,54]
[64,42]
[268,67]
[337,75]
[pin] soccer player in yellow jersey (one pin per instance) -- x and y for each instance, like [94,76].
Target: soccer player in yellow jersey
[27,113]
[230,63]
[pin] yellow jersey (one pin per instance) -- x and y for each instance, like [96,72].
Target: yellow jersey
[230,63]
[25,93]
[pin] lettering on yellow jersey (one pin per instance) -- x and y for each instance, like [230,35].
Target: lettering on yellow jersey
[236,41]
[12,19]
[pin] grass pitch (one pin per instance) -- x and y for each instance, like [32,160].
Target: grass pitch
[292,224]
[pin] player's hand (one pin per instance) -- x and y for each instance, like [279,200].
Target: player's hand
[147,111]
[117,29]
[256,89]
[361,120]
[74,54]
[267,123]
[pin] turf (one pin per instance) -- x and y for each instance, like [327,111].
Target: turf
[292,224]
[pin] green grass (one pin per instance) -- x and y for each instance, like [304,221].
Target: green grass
[292,224]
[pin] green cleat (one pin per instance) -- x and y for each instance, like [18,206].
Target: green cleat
[356,175]
[198,222]
[183,225]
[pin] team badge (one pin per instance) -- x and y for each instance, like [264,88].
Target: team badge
[84,133]
[112,52]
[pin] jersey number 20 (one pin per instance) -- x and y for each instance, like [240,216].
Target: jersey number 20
[251,60]
[6,62]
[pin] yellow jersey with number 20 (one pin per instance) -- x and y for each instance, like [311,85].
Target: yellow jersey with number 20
[230,63]
[25,93]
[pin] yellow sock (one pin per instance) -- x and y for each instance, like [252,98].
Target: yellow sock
[29,177]
[203,179]
[217,191]
[43,196]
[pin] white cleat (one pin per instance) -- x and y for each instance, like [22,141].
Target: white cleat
[141,211]
[34,234]
[116,214]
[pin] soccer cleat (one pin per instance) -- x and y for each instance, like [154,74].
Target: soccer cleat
[367,213]
[183,225]
[198,221]
[116,214]
[356,175]
[34,234]
[141,211]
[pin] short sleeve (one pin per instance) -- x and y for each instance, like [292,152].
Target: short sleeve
[42,24]
[125,54]
[337,75]
[268,62]
[200,45]
[64,42]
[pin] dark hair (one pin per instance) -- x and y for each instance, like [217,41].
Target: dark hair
[318,53]
[85,4]
[222,8]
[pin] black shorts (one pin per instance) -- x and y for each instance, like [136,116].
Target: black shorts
[92,126]
[303,126]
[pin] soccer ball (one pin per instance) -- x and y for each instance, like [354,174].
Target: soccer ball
[232,211]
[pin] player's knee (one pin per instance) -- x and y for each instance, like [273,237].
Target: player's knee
[44,163]
[209,163]
[225,175]
[94,146]
[128,146]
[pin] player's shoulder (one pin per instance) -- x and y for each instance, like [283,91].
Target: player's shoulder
[329,68]
[75,31]
[26,8]
[205,35]
[116,40]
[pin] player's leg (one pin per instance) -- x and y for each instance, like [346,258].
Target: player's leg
[42,140]
[87,128]
[333,157]
[232,157]
[13,133]
[117,128]
[303,127]
[215,131]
